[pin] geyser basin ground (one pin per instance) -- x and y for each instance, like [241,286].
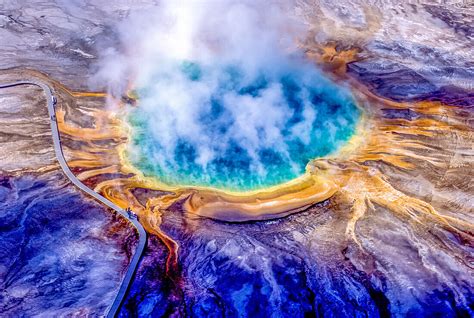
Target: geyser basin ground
[232,128]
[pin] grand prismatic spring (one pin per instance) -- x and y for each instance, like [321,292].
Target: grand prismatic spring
[236,158]
[239,145]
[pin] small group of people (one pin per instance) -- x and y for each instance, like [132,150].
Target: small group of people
[130,214]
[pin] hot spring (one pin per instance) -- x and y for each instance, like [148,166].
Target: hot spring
[234,128]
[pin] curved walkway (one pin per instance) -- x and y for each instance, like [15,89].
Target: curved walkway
[62,162]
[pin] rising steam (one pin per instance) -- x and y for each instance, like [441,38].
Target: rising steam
[222,90]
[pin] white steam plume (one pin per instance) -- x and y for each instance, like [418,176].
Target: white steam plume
[256,36]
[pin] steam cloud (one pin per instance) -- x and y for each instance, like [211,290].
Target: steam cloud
[212,74]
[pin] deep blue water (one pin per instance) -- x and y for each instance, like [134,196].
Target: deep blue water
[261,129]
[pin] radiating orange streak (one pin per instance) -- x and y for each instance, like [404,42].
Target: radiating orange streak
[81,154]
[393,150]
[88,94]
[397,161]
[81,158]
[424,126]
[118,191]
[105,158]
[333,60]
[82,93]
[95,172]
[101,132]
[85,164]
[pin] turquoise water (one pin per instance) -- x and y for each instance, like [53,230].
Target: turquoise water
[223,127]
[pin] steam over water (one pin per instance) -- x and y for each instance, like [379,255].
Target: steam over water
[225,97]
[216,125]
